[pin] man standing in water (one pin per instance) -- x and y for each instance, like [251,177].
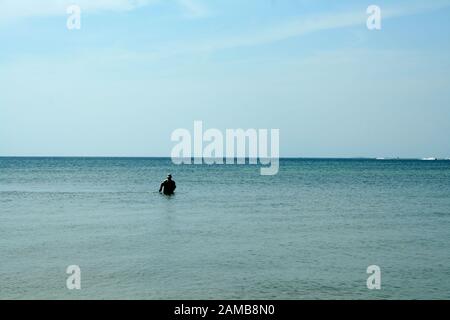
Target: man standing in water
[168,185]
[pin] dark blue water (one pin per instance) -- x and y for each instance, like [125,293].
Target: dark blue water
[229,233]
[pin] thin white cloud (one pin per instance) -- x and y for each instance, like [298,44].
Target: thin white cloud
[294,28]
[301,26]
[14,9]
[193,8]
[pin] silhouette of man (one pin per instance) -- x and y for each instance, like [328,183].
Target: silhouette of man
[168,185]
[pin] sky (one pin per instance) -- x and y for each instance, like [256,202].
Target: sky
[139,69]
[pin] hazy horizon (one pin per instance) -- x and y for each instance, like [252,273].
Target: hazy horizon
[281,157]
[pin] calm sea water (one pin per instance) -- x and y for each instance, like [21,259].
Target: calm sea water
[309,232]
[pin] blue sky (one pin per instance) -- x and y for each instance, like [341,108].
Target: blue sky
[137,70]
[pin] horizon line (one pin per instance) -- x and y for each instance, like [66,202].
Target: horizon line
[283,157]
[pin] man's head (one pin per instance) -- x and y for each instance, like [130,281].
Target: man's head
[169,176]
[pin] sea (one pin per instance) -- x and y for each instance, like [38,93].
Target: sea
[309,232]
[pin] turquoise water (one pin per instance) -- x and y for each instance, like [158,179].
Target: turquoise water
[309,232]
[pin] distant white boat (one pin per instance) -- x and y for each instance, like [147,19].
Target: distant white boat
[429,159]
